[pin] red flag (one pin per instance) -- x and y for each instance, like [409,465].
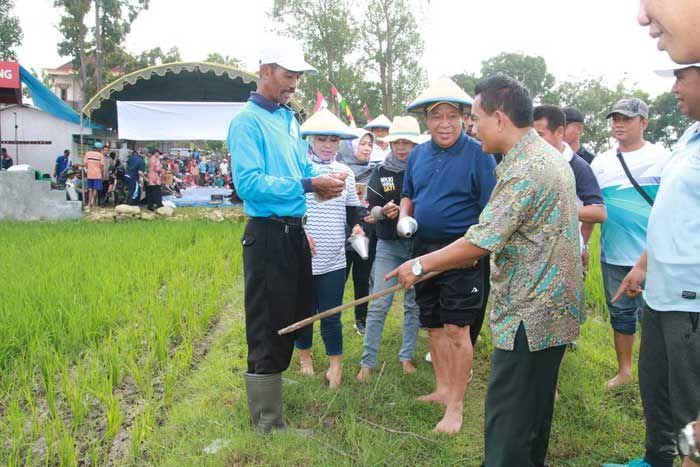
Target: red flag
[334,91]
[320,102]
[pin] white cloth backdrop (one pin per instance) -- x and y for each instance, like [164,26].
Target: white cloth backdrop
[166,121]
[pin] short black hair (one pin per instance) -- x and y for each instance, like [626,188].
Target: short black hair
[501,92]
[554,115]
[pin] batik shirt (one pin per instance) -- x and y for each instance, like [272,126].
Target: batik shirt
[530,225]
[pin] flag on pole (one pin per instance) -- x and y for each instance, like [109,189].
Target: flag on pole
[320,102]
[344,106]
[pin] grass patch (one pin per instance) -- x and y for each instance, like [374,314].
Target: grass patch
[124,344]
[380,423]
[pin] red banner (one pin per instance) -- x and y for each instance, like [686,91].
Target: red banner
[9,75]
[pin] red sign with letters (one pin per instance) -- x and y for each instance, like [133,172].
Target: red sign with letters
[9,75]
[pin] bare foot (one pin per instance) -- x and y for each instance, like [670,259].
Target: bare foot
[451,422]
[408,367]
[305,362]
[434,397]
[364,374]
[334,376]
[307,367]
[620,379]
[335,371]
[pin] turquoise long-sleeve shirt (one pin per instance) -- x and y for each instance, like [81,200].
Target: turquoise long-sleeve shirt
[270,167]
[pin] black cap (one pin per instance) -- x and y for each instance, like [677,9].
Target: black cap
[573,115]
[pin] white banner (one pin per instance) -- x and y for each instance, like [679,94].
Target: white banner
[169,121]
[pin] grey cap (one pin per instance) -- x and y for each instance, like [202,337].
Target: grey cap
[573,115]
[630,107]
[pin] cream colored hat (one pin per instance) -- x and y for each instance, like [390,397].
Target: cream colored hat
[443,90]
[379,122]
[404,128]
[324,122]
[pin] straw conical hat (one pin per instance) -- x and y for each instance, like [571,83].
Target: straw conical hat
[324,122]
[379,122]
[442,90]
[404,128]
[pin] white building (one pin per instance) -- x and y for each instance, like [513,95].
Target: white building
[66,84]
[41,137]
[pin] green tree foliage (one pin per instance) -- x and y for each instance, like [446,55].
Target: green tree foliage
[150,57]
[224,60]
[329,33]
[529,70]
[116,17]
[595,99]
[666,122]
[393,48]
[466,81]
[10,31]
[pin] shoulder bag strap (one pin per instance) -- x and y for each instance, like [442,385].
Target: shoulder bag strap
[634,183]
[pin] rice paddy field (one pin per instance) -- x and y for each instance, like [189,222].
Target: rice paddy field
[123,344]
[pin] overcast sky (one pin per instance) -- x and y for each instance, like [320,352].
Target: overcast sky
[577,38]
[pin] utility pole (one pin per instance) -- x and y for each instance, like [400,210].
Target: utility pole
[98,47]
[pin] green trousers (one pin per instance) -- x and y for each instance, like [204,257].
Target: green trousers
[520,404]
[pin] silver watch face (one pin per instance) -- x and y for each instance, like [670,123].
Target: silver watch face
[417,268]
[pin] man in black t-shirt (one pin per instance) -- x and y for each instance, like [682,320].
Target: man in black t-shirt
[573,129]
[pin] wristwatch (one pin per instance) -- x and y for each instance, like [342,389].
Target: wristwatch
[417,267]
[687,444]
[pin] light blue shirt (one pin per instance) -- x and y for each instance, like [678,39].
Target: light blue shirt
[268,161]
[673,236]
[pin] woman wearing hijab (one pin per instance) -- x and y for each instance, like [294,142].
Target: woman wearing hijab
[325,227]
[355,154]
[384,190]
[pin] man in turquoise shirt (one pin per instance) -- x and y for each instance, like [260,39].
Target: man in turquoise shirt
[668,355]
[272,175]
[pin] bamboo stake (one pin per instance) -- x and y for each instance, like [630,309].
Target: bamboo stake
[352,304]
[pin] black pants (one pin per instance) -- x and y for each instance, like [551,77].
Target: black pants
[154,197]
[277,271]
[451,294]
[360,269]
[669,365]
[520,404]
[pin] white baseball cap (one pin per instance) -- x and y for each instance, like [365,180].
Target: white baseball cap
[669,71]
[286,53]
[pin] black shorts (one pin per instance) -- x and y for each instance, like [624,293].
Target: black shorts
[456,296]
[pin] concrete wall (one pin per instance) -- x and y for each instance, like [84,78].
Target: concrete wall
[36,125]
[22,198]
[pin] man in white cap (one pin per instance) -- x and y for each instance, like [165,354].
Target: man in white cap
[670,344]
[379,128]
[272,174]
[447,183]
[628,176]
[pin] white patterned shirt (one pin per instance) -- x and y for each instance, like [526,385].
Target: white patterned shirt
[326,221]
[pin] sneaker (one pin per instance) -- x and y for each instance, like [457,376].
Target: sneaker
[632,463]
[359,328]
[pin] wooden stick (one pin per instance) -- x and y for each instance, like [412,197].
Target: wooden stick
[352,304]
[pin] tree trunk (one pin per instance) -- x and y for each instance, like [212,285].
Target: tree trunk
[83,72]
[98,48]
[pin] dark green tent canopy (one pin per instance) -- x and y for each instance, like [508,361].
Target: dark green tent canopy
[183,82]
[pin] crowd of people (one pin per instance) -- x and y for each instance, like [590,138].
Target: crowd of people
[497,201]
[137,177]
